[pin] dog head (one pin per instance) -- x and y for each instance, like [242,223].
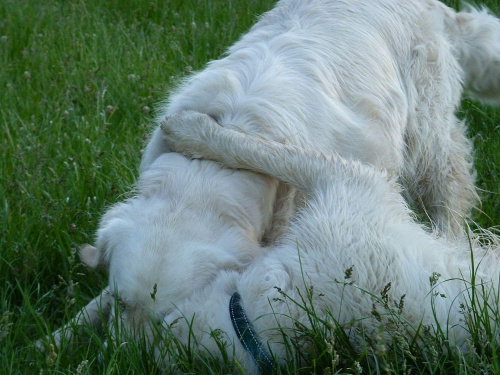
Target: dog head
[190,220]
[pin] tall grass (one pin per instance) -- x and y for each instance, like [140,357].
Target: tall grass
[79,81]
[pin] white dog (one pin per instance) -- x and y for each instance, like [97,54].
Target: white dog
[374,81]
[354,218]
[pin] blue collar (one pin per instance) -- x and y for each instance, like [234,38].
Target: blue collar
[248,337]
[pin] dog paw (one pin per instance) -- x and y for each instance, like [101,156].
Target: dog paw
[186,132]
[40,345]
[49,343]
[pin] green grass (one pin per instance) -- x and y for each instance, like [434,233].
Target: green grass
[79,81]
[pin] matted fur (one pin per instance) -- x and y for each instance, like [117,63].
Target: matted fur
[373,81]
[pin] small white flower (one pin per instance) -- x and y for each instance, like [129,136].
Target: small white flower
[80,367]
[357,367]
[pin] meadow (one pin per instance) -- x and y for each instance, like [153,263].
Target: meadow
[79,84]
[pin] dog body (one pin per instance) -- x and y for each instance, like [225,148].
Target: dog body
[354,218]
[376,82]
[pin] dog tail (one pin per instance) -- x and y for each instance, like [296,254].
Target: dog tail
[475,34]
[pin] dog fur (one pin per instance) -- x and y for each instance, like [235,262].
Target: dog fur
[377,82]
[354,218]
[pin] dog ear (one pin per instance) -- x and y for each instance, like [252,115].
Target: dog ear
[90,256]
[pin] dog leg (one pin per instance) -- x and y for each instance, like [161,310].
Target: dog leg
[441,176]
[476,35]
[90,315]
[199,136]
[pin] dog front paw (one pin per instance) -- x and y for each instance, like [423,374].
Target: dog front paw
[185,132]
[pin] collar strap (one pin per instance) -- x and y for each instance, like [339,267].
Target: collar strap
[248,337]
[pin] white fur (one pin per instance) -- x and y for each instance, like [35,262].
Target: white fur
[375,81]
[477,36]
[354,217]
